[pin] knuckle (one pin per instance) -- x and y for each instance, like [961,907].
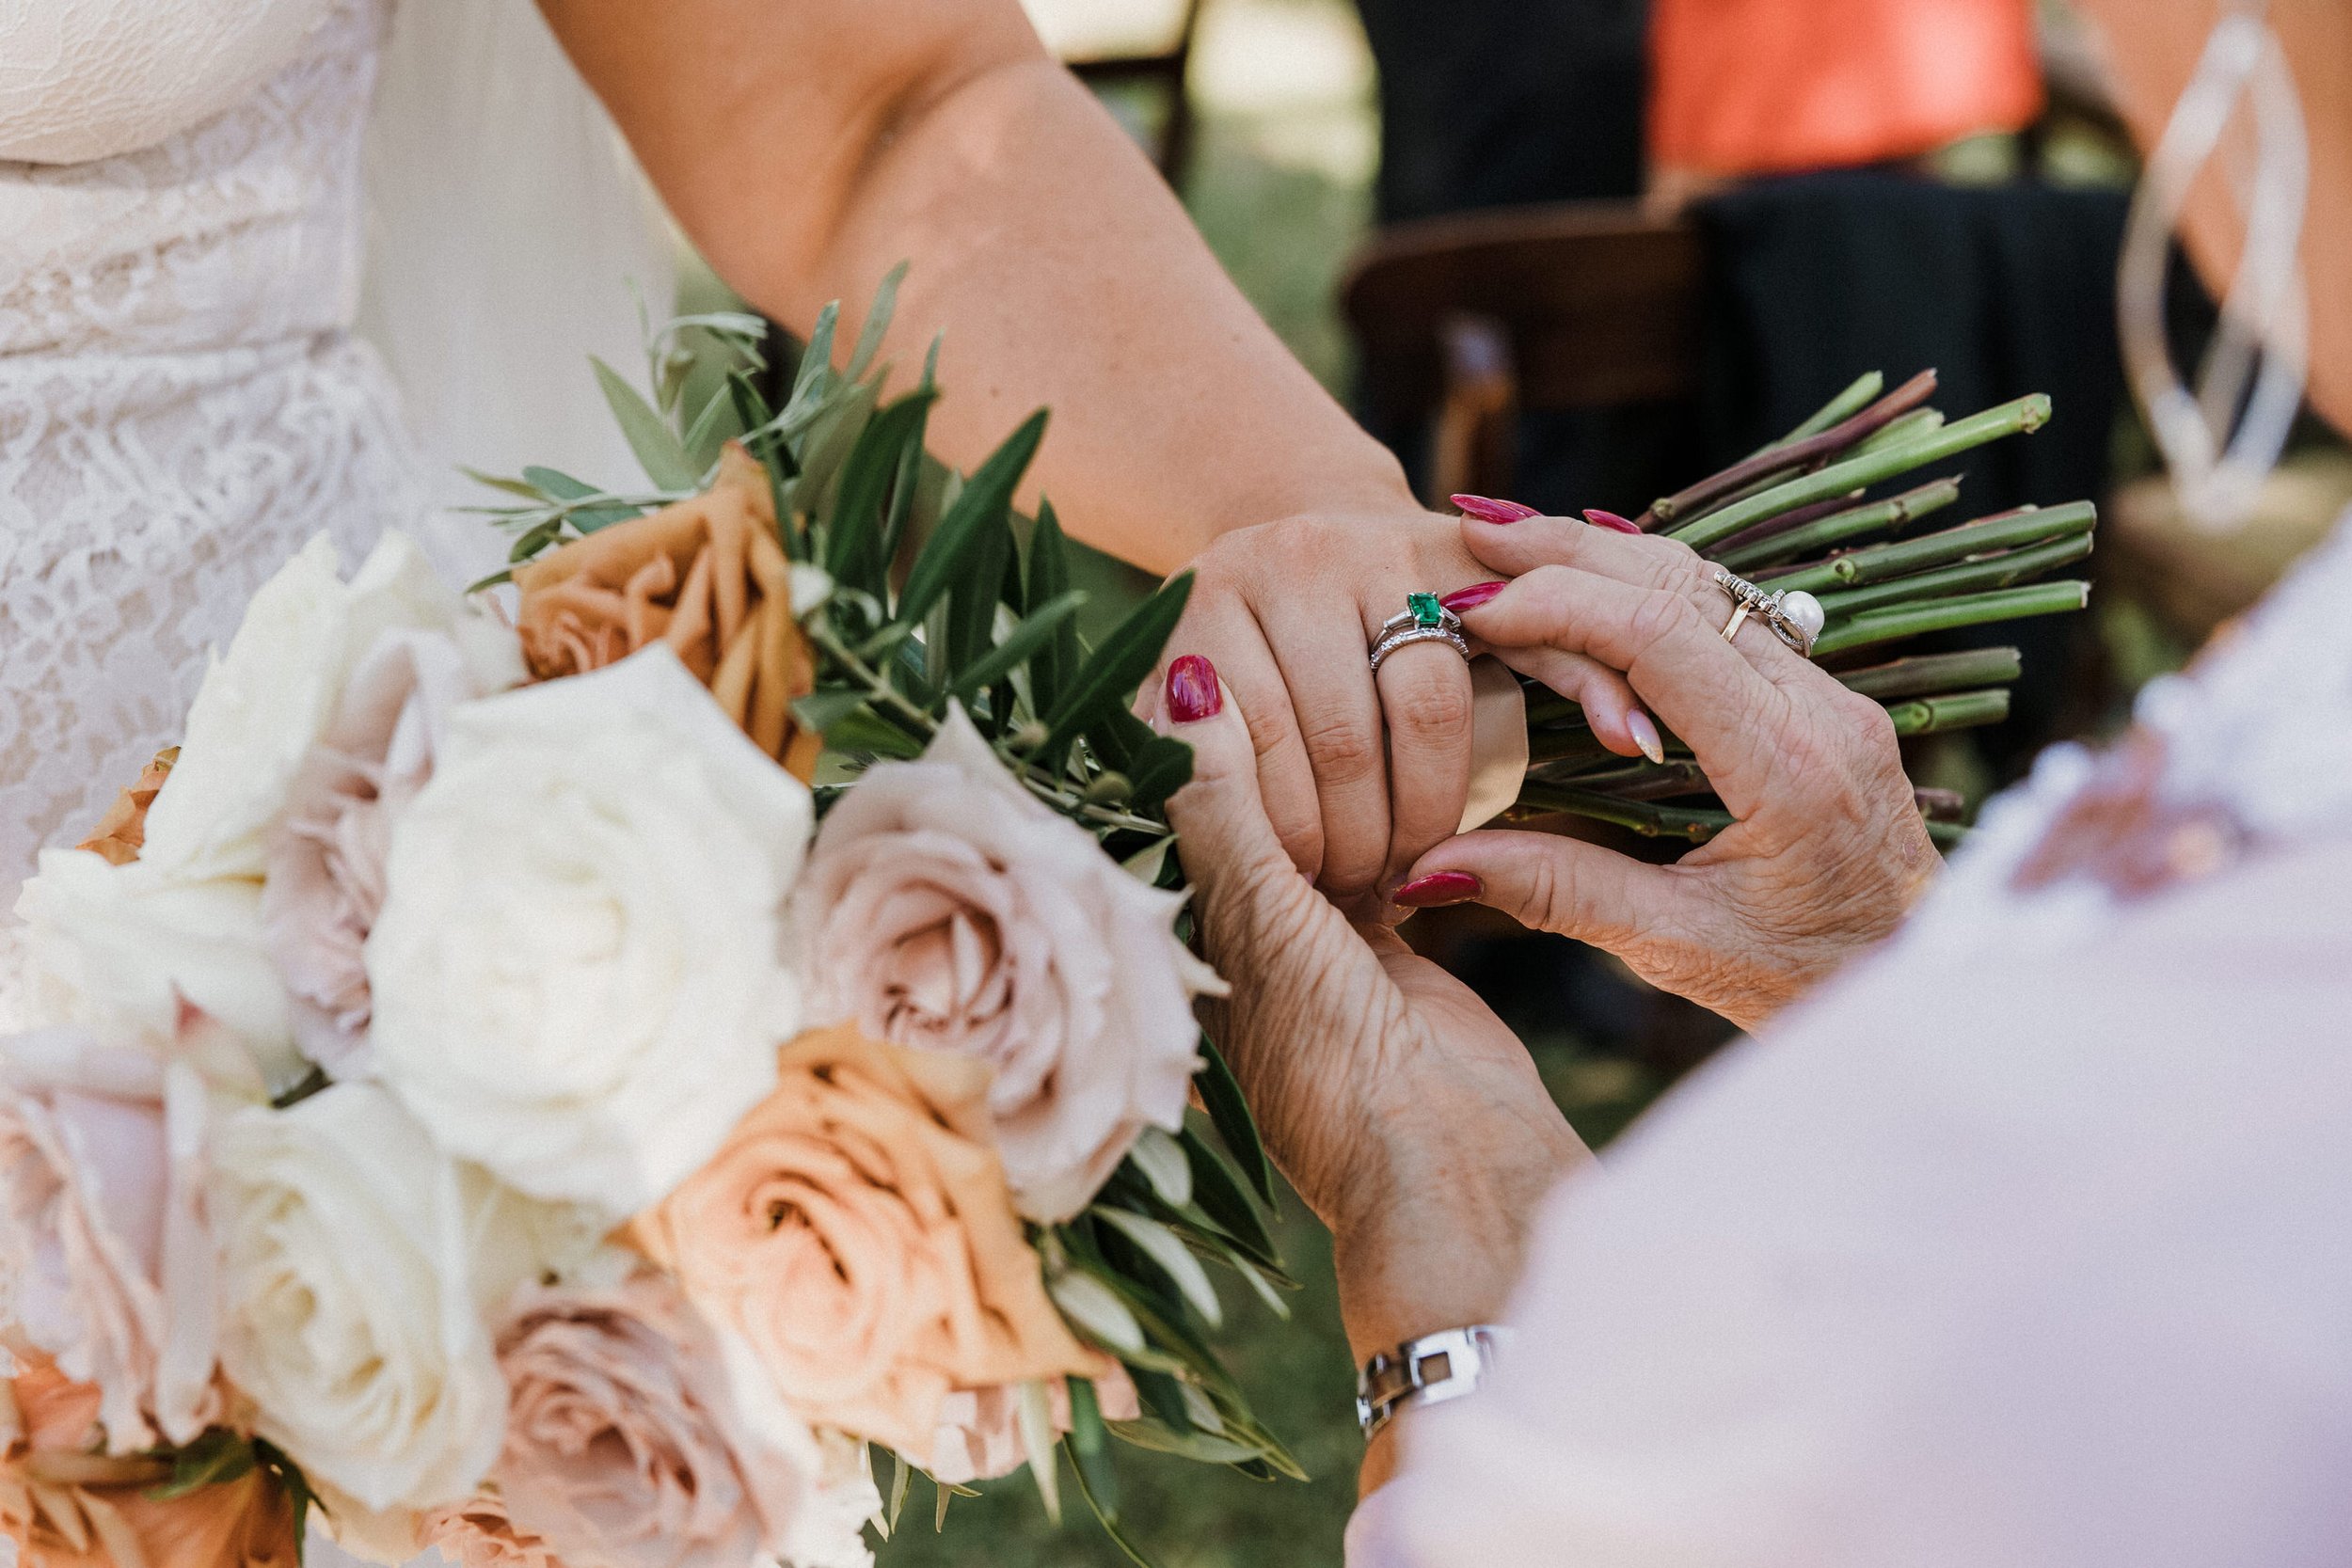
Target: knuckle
[1439,706]
[1664,615]
[1342,748]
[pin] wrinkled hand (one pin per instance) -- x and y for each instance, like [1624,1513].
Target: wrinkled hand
[1406,1114]
[1827,852]
[1359,774]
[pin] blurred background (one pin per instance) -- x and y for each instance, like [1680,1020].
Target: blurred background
[1576,253]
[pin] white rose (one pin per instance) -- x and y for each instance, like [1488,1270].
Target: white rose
[577,973]
[349,1309]
[265,702]
[116,948]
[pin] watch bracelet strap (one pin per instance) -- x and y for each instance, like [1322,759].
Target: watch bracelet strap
[1427,1370]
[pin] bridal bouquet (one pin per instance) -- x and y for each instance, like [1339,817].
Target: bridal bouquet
[558,1083]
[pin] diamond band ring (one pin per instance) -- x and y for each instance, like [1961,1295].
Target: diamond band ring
[1423,620]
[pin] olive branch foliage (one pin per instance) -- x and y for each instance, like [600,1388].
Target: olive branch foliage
[937,591]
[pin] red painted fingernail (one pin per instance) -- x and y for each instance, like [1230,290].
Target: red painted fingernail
[1193,693]
[1487,509]
[1472,596]
[1608,520]
[1438,889]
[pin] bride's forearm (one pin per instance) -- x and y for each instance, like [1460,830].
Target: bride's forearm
[818,155]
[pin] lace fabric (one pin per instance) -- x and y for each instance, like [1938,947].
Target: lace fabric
[180,408]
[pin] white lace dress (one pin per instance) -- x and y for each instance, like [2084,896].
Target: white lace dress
[182,403]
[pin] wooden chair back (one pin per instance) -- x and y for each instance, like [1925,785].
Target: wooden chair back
[1463,321]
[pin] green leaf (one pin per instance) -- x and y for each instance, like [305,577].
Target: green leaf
[817,359]
[1110,676]
[821,710]
[562,486]
[1162,1439]
[1056,664]
[861,730]
[658,449]
[512,486]
[1160,767]
[1034,1416]
[985,499]
[832,437]
[1090,1451]
[712,429]
[900,1473]
[1169,1253]
[1229,1111]
[911,486]
[972,599]
[853,533]
[1218,1193]
[1032,635]
[215,1456]
[870,338]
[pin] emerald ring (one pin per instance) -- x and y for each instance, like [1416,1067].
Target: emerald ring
[1425,619]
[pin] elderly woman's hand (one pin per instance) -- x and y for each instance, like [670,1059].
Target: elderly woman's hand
[1827,852]
[1406,1114]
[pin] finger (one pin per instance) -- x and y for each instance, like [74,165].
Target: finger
[1319,647]
[1610,708]
[1223,835]
[1550,883]
[1734,719]
[1645,560]
[1226,635]
[1425,697]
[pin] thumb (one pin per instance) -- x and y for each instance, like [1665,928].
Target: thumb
[1549,883]
[1222,831]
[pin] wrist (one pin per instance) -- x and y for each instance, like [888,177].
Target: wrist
[1432,1231]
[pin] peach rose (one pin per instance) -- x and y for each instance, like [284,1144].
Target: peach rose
[855,1233]
[122,831]
[326,878]
[624,1449]
[66,1506]
[980,1428]
[946,908]
[480,1533]
[102,1220]
[704,575]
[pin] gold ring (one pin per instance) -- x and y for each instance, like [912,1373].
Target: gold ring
[1738,618]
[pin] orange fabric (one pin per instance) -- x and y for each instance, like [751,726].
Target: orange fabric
[1762,86]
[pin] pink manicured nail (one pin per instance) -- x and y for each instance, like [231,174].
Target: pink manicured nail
[1487,509]
[1438,889]
[1472,596]
[1598,518]
[1645,736]
[1192,692]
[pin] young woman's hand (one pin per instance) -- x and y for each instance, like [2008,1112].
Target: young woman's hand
[1359,774]
[1827,852]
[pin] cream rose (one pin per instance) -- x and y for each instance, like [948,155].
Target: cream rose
[946,909]
[103,1227]
[855,1233]
[578,975]
[350,1315]
[623,1446]
[117,949]
[264,702]
[327,851]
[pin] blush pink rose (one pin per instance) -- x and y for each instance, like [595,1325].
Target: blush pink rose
[102,1224]
[325,871]
[623,1447]
[946,908]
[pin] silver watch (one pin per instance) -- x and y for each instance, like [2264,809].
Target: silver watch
[1428,1370]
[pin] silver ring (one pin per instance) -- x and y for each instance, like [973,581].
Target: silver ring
[1402,636]
[1796,618]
